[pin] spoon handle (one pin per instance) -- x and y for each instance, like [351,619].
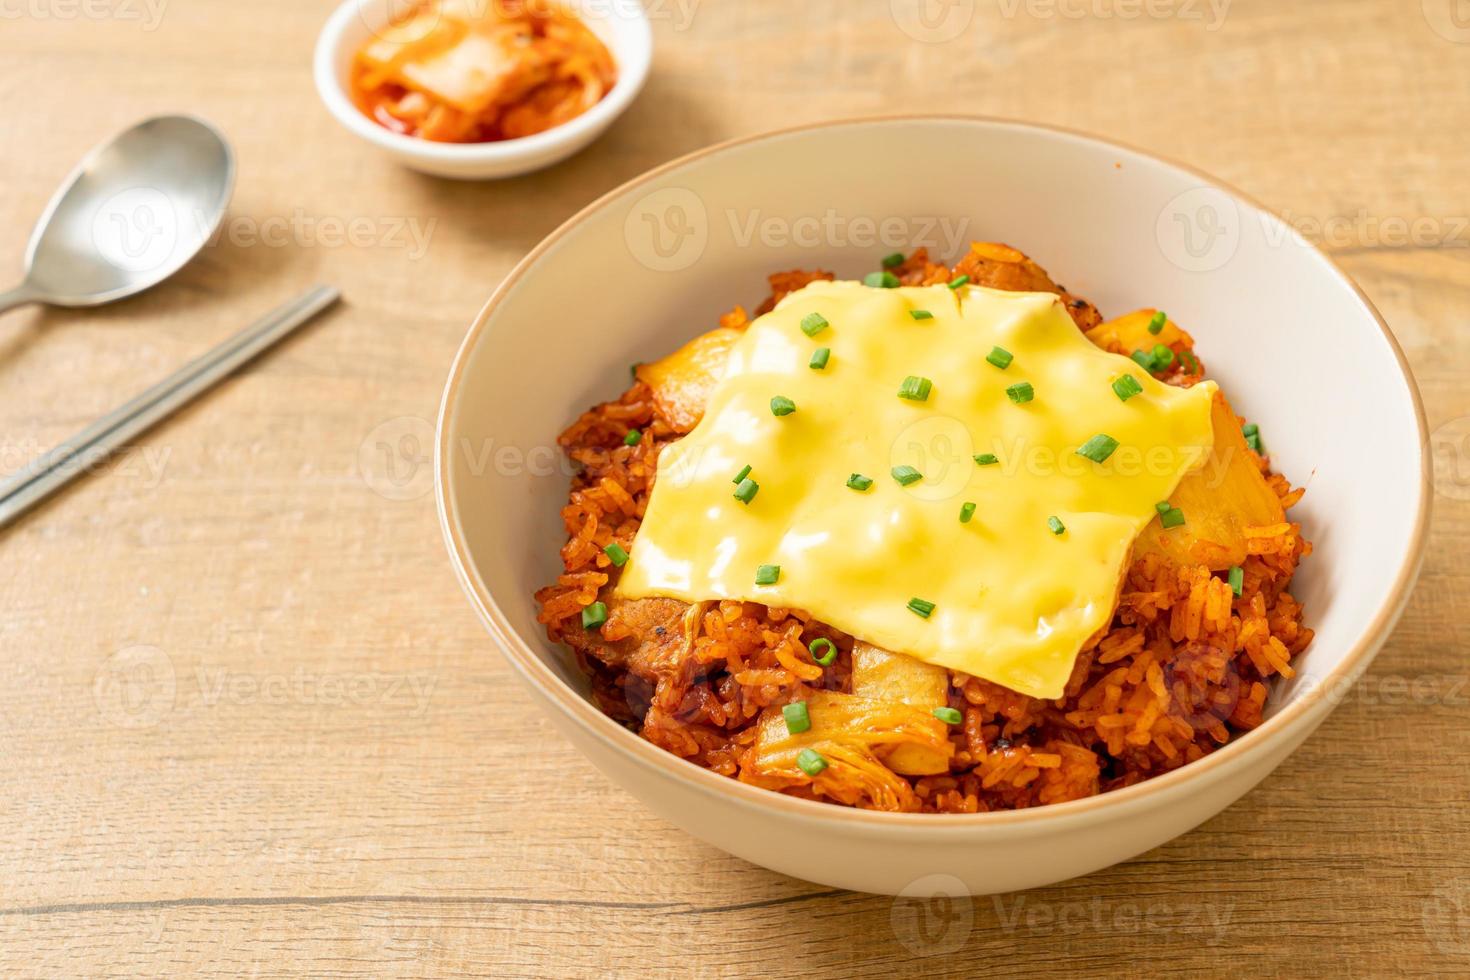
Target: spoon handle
[19,296]
[83,451]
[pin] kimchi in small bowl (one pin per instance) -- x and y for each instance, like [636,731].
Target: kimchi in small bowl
[482,88]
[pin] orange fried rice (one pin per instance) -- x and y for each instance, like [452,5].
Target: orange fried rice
[1183,668]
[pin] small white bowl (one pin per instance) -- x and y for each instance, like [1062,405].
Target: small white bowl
[639,272]
[621,24]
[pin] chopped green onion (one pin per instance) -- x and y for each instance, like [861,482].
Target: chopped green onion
[859,482]
[1154,361]
[744,472]
[811,762]
[1156,325]
[1000,357]
[747,490]
[797,719]
[633,369]
[986,459]
[1021,393]
[921,607]
[819,359]
[828,651]
[915,389]
[1163,506]
[1254,441]
[1173,517]
[1190,361]
[893,261]
[1126,386]
[1056,525]
[813,324]
[881,280]
[768,575]
[632,438]
[594,615]
[906,475]
[921,314]
[781,405]
[616,554]
[1250,429]
[958,281]
[950,716]
[1237,579]
[967,511]
[1098,448]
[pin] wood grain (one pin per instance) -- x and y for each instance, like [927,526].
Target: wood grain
[251,725]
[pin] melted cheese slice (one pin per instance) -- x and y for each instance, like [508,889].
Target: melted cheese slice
[1013,601]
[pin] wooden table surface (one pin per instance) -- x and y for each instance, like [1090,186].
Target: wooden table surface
[250,724]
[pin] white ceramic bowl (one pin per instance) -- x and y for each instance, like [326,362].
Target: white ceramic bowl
[621,24]
[1291,339]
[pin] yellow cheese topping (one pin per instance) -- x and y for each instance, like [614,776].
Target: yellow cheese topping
[1015,593]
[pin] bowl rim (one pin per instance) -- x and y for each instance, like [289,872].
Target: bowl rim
[1300,715]
[632,74]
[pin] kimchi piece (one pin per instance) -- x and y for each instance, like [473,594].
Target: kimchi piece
[479,71]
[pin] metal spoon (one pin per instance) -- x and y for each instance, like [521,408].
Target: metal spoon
[135,210]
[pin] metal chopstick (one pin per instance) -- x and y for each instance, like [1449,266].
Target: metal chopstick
[66,462]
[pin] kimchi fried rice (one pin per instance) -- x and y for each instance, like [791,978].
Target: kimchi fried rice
[1182,668]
